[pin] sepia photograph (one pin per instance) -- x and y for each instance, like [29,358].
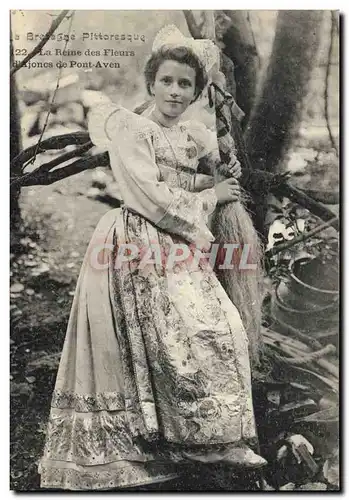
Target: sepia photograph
[175,267]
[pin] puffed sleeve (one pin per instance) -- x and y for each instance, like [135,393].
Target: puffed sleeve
[205,139]
[129,139]
[207,146]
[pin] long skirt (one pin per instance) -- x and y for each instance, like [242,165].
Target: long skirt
[155,361]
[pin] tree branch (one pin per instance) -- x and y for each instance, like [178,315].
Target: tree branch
[194,29]
[56,142]
[46,167]
[44,178]
[299,358]
[315,207]
[42,42]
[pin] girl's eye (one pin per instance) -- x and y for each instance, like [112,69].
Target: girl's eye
[166,80]
[185,84]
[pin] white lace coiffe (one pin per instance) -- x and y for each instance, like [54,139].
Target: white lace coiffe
[205,50]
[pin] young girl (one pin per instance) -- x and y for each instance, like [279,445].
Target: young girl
[155,368]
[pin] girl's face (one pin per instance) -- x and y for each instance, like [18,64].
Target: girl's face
[174,87]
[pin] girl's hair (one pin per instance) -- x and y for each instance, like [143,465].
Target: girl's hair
[182,55]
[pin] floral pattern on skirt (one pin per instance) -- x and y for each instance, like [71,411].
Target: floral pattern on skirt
[151,357]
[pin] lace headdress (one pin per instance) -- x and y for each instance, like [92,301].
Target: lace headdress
[205,50]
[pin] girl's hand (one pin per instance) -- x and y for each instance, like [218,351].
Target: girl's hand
[227,191]
[235,167]
[202,181]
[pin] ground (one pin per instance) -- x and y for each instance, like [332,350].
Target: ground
[47,270]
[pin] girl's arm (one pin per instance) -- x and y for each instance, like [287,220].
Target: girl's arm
[132,156]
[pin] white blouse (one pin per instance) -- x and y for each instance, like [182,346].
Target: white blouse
[133,143]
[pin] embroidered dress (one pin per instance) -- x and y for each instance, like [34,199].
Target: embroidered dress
[155,359]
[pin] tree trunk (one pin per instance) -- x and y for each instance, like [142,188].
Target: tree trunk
[240,47]
[15,148]
[228,69]
[239,58]
[278,107]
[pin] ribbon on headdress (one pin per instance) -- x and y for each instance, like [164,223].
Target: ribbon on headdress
[206,50]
